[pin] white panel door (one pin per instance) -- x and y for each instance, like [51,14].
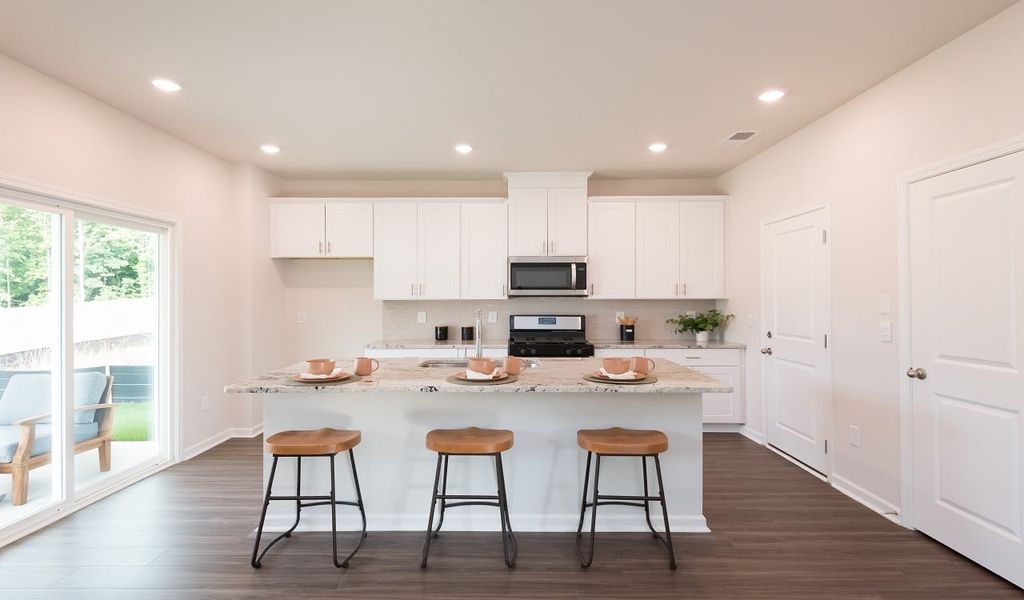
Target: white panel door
[349,229]
[567,221]
[527,221]
[657,250]
[702,249]
[440,252]
[484,250]
[795,309]
[296,229]
[966,267]
[395,272]
[611,260]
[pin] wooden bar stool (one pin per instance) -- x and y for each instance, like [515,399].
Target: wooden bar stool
[470,441]
[299,444]
[617,441]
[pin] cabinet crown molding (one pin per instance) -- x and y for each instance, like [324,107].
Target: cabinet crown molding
[542,179]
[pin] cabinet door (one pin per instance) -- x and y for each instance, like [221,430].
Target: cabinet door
[567,221]
[657,250]
[439,251]
[611,258]
[727,407]
[296,229]
[395,276]
[527,221]
[484,250]
[349,229]
[702,249]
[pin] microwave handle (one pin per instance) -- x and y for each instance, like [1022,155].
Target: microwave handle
[572,276]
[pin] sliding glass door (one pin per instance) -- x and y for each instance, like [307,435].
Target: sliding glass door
[84,354]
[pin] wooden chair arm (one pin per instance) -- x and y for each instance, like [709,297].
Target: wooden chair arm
[36,419]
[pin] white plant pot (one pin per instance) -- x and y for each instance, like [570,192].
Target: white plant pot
[703,337]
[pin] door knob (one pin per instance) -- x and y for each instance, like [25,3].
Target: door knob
[918,373]
[767,351]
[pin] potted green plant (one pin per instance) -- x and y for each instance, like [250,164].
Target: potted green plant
[702,323]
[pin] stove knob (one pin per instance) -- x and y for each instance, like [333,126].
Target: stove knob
[568,351]
[580,352]
[533,351]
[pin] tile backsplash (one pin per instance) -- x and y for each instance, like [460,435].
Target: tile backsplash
[400,316]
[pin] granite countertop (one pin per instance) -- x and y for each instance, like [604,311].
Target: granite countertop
[562,375]
[678,343]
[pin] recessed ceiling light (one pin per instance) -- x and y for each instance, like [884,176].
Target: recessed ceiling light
[463,148]
[657,147]
[770,96]
[166,85]
[269,149]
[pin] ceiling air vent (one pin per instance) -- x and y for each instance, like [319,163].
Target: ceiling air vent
[737,139]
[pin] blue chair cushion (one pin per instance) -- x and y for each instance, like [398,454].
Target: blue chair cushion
[28,395]
[10,435]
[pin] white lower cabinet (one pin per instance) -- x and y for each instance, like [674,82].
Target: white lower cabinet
[722,364]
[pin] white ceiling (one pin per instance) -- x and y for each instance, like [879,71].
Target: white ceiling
[384,88]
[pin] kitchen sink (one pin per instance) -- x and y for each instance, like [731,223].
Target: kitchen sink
[448,363]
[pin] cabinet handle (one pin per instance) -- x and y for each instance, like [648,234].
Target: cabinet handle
[591,289]
[504,291]
[412,289]
[684,289]
[677,290]
[551,247]
[319,247]
[328,246]
[544,247]
[421,289]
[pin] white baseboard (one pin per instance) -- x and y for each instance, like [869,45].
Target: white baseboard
[752,434]
[219,438]
[879,505]
[321,521]
[722,427]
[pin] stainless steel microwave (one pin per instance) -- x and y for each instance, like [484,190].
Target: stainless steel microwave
[547,276]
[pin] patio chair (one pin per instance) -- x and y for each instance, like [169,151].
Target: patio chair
[26,424]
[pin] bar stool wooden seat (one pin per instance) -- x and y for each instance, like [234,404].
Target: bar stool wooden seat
[299,444]
[471,441]
[616,441]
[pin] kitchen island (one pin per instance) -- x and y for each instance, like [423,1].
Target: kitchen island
[396,406]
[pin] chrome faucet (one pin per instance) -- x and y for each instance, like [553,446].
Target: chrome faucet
[479,336]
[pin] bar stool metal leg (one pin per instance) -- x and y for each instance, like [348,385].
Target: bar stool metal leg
[430,519]
[508,539]
[444,492]
[583,502]
[587,559]
[647,501]
[664,514]
[256,562]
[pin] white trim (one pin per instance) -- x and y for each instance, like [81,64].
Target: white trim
[816,474]
[804,209]
[316,520]
[753,434]
[874,502]
[903,183]
[723,427]
[542,179]
[219,438]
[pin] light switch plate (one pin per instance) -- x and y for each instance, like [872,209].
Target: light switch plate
[421,317]
[884,304]
[492,316]
[885,330]
[691,313]
[855,436]
[301,317]
[206,402]
[619,315]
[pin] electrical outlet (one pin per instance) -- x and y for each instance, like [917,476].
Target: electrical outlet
[691,313]
[884,304]
[885,330]
[492,316]
[855,436]
[300,317]
[750,321]
[206,402]
[421,317]
[619,315]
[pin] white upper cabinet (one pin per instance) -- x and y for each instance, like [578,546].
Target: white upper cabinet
[322,227]
[439,251]
[611,260]
[484,250]
[349,227]
[527,222]
[297,229]
[680,247]
[547,214]
[567,221]
[395,251]
[702,249]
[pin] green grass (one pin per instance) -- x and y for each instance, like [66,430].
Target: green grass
[131,421]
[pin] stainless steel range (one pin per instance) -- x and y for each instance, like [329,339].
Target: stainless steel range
[548,335]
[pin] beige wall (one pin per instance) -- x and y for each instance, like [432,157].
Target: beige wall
[965,95]
[55,136]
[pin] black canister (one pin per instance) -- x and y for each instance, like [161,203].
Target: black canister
[441,333]
[468,333]
[627,333]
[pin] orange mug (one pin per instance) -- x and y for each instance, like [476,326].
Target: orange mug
[513,365]
[364,366]
[320,366]
[482,365]
[616,366]
[642,365]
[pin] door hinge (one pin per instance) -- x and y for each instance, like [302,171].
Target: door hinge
[824,236]
[826,446]
[826,340]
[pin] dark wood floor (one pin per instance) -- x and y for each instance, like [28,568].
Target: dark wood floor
[778,533]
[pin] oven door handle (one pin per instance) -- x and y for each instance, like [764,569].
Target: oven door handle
[572,276]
